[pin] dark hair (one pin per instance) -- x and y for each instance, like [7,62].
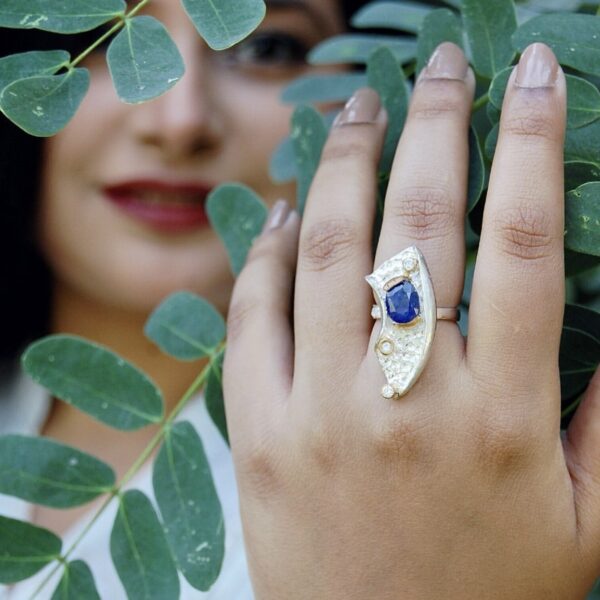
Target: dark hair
[26,280]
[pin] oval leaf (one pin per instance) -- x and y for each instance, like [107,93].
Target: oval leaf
[95,380]
[45,472]
[73,16]
[582,219]
[28,64]
[387,77]
[282,166]
[77,583]
[43,105]
[578,173]
[223,24]
[477,174]
[323,88]
[404,15]
[583,144]
[583,98]
[213,395]
[140,551]
[25,549]
[144,61]
[189,505]
[489,26]
[309,134]
[352,48]
[440,25]
[575,39]
[238,215]
[186,326]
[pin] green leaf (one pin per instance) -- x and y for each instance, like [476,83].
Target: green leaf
[583,98]
[582,219]
[574,38]
[309,134]
[186,326]
[143,60]
[493,113]
[25,549]
[223,23]
[282,166]
[43,105]
[576,263]
[579,349]
[578,173]
[73,16]
[489,26]
[140,551]
[238,215]
[45,472]
[440,25]
[583,144]
[95,380]
[387,77]
[477,173]
[323,88]
[491,141]
[353,48]
[77,583]
[213,395]
[189,505]
[29,64]
[405,16]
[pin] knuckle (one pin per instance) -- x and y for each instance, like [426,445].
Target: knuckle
[423,212]
[403,438]
[259,470]
[327,243]
[322,444]
[530,122]
[504,440]
[525,232]
[440,99]
[346,148]
[239,313]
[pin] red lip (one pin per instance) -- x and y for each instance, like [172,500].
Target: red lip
[165,206]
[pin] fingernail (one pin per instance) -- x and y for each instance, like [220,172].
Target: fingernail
[363,107]
[537,68]
[447,62]
[277,216]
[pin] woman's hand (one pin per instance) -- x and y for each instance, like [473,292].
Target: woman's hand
[462,489]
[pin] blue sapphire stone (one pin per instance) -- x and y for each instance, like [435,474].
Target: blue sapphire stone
[402,302]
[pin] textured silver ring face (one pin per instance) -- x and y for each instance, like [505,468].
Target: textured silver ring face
[404,294]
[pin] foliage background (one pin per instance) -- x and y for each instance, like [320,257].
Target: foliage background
[40,92]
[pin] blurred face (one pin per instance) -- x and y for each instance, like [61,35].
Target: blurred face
[121,216]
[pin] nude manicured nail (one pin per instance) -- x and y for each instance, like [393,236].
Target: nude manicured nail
[363,107]
[538,67]
[277,216]
[447,62]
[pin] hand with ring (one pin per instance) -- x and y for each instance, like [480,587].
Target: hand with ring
[460,486]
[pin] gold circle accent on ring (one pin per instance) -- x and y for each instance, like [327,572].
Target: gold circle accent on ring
[443,314]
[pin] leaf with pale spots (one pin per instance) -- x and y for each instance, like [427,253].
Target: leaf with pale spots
[189,506]
[143,60]
[582,219]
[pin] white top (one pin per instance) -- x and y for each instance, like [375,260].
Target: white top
[24,406]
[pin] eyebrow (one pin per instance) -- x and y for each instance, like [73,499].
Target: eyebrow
[305,7]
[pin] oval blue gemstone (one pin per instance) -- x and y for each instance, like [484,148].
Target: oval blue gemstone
[402,302]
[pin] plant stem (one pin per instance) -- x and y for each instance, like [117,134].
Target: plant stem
[108,33]
[481,101]
[197,385]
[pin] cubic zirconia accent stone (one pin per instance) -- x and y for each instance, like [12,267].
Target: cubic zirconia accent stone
[388,392]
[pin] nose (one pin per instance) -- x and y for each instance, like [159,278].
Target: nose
[185,121]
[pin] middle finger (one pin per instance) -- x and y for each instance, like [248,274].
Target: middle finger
[426,198]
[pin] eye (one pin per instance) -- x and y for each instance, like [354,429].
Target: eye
[276,49]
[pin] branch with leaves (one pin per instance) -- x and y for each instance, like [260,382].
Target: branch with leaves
[40,91]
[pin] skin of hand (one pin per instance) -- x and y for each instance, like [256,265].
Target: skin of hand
[463,489]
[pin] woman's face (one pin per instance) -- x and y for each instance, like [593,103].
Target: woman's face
[121,219]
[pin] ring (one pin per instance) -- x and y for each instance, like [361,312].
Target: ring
[406,306]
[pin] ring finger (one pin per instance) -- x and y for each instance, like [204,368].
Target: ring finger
[426,198]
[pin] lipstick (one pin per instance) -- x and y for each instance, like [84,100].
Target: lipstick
[162,205]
